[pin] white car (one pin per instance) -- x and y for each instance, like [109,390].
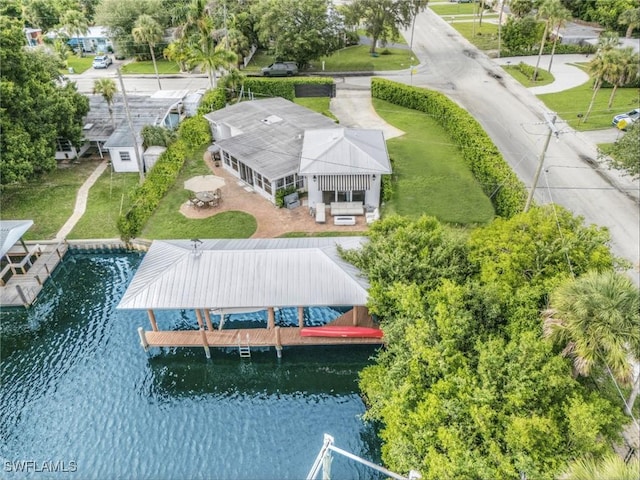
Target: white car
[624,120]
[102,61]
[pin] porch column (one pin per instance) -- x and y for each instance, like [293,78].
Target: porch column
[301,317]
[271,318]
[207,318]
[355,316]
[152,319]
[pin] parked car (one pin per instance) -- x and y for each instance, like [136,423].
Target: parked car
[102,61]
[280,69]
[623,120]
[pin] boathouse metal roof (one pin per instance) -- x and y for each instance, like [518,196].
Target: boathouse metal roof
[11,232]
[245,274]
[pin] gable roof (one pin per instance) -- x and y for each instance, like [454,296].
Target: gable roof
[271,131]
[247,273]
[342,151]
[10,232]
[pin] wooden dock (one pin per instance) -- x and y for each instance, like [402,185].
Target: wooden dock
[26,276]
[277,337]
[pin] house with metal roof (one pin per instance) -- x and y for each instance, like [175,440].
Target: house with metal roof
[273,144]
[226,276]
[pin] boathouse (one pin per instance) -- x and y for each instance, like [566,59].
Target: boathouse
[230,275]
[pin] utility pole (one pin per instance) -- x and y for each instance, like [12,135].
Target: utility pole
[133,133]
[552,130]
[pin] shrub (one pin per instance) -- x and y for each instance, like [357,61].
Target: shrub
[499,183]
[281,193]
[213,100]
[158,136]
[280,87]
[195,131]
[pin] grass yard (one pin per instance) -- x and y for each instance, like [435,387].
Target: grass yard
[358,59]
[108,197]
[146,67]
[454,8]
[571,105]
[485,37]
[544,77]
[167,221]
[79,64]
[48,201]
[431,176]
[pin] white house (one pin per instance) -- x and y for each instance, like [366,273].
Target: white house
[274,144]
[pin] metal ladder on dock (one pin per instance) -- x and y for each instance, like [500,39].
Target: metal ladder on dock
[244,350]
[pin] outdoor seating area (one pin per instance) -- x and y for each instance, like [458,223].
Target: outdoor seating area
[205,191]
[346,208]
[206,199]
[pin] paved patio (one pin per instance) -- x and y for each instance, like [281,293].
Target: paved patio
[272,221]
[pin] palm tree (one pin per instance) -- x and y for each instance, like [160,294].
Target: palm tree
[75,24]
[559,19]
[631,18]
[602,65]
[625,71]
[609,467]
[147,30]
[107,88]
[549,11]
[596,317]
[212,58]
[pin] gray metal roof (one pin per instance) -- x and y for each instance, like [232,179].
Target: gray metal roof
[340,151]
[246,273]
[10,232]
[272,131]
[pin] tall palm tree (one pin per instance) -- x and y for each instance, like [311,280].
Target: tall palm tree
[107,88]
[625,71]
[596,317]
[548,11]
[559,19]
[75,23]
[212,58]
[147,30]
[609,467]
[631,18]
[602,65]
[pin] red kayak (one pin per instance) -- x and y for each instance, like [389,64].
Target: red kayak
[336,331]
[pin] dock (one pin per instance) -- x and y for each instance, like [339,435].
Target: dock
[246,338]
[27,273]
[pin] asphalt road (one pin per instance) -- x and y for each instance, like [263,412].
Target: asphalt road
[514,118]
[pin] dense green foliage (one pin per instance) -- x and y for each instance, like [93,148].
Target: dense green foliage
[625,153]
[484,160]
[195,132]
[36,109]
[280,87]
[214,99]
[467,388]
[158,136]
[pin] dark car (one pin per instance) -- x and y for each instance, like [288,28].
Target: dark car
[280,69]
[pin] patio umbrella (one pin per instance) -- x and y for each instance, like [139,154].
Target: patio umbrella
[204,183]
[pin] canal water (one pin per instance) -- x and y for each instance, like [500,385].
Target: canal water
[79,395]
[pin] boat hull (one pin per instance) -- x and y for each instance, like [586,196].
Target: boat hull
[339,331]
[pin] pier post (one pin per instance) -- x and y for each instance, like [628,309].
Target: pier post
[271,318]
[199,318]
[143,339]
[355,316]
[23,297]
[152,319]
[278,343]
[207,317]
[301,317]
[205,344]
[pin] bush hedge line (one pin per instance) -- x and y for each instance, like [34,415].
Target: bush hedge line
[212,100]
[280,87]
[506,192]
[193,133]
[560,49]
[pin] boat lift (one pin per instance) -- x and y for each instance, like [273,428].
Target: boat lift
[323,462]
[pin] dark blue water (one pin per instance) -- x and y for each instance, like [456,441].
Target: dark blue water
[79,393]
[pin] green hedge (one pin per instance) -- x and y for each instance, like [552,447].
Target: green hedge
[194,132]
[280,87]
[213,100]
[499,183]
[560,49]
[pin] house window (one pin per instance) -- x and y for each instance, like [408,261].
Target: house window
[225,156]
[357,196]
[299,181]
[258,179]
[267,186]
[125,157]
[234,163]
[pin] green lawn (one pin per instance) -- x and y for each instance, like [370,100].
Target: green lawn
[431,176]
[48,201]
[358,59]
[454,8]
[571,105]
[317,104]
[146,67]
[544,77]
[485,37]
[79,64]
[108,197]
[168,222]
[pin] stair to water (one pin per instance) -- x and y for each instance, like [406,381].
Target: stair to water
[244,350]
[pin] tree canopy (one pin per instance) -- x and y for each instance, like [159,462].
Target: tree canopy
[467,387]
[625,153]
[36,109]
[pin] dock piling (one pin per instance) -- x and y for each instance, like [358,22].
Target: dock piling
[143,339]
[205,344]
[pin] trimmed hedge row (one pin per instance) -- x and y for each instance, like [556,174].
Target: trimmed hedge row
[560,49]
[281,87]
[506,192]
[146,197]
